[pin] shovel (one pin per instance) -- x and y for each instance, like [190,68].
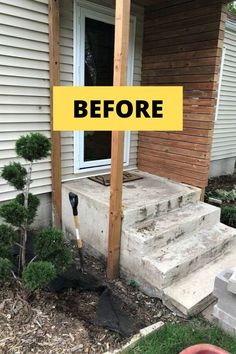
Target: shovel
[74,204]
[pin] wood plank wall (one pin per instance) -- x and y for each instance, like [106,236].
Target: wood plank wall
[183,42]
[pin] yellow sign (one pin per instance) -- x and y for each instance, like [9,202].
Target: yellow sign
[118,108]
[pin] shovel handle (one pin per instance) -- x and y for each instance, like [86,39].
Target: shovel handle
[76,221]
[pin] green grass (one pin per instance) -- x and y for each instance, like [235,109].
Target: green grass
[173,338]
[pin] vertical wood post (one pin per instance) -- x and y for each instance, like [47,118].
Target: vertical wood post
[54,66]
[122,24]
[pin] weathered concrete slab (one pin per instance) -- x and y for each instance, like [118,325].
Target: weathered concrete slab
[185,255]
[163,230]
[195,292]
[142,200]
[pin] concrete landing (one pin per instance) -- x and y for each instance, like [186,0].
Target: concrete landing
[172,244]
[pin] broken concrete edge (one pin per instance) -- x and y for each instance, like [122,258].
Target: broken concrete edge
[143,333]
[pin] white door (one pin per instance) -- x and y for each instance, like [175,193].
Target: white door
[94,54]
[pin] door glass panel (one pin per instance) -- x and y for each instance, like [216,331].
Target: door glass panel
[99,54]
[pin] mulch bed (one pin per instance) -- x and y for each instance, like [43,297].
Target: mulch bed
[52,323]
[227,183]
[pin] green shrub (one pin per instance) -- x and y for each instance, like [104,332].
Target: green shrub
[33,204]
[231,7]
[37,275]
[15,175]
[50,246]
[228,216]
[13,213]
[34,146]
[60,259]
[5,269]
[8,237]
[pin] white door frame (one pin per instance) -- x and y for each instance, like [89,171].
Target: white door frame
[83,9]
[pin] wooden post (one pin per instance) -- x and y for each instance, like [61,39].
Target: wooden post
[54,66]
[122,24]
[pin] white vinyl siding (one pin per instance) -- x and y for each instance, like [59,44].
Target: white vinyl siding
[224,138]
[24,84]
[66,59]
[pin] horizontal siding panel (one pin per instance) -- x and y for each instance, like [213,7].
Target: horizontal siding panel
[23,33]
[24,91]
[25,82]
[28,5]
[25,127]
[23,109]
[23,53]
[224,138]
[21,22]
[24,43]
[24,118]
[24,100]
[10,10]
[23,63]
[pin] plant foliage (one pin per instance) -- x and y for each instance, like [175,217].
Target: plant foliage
[228,215]
[50,245]
[8,237]
[5,269]
[38,274]
[33,204]
[13,213]
[232,7]
[15,175]
[51,250]
[33,146]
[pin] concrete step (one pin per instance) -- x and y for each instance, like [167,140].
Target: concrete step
[194,293]
[164,230]
[145,209]
[187,254]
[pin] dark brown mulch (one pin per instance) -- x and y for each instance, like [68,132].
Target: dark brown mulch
[56,324]
[223,182]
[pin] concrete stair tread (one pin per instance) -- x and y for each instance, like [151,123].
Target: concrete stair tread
[187,254]
[190,247]
[174,221]
[194,293]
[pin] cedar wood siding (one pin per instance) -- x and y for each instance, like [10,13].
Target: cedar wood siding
[182,46]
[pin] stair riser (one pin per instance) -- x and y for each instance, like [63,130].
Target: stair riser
[152,244]
[147,213]
[163,280]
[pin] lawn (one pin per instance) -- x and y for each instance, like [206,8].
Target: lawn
[173,338]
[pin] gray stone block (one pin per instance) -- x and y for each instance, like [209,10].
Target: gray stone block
[225,310]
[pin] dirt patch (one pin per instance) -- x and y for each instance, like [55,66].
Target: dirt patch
[51,323]
[227,183]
